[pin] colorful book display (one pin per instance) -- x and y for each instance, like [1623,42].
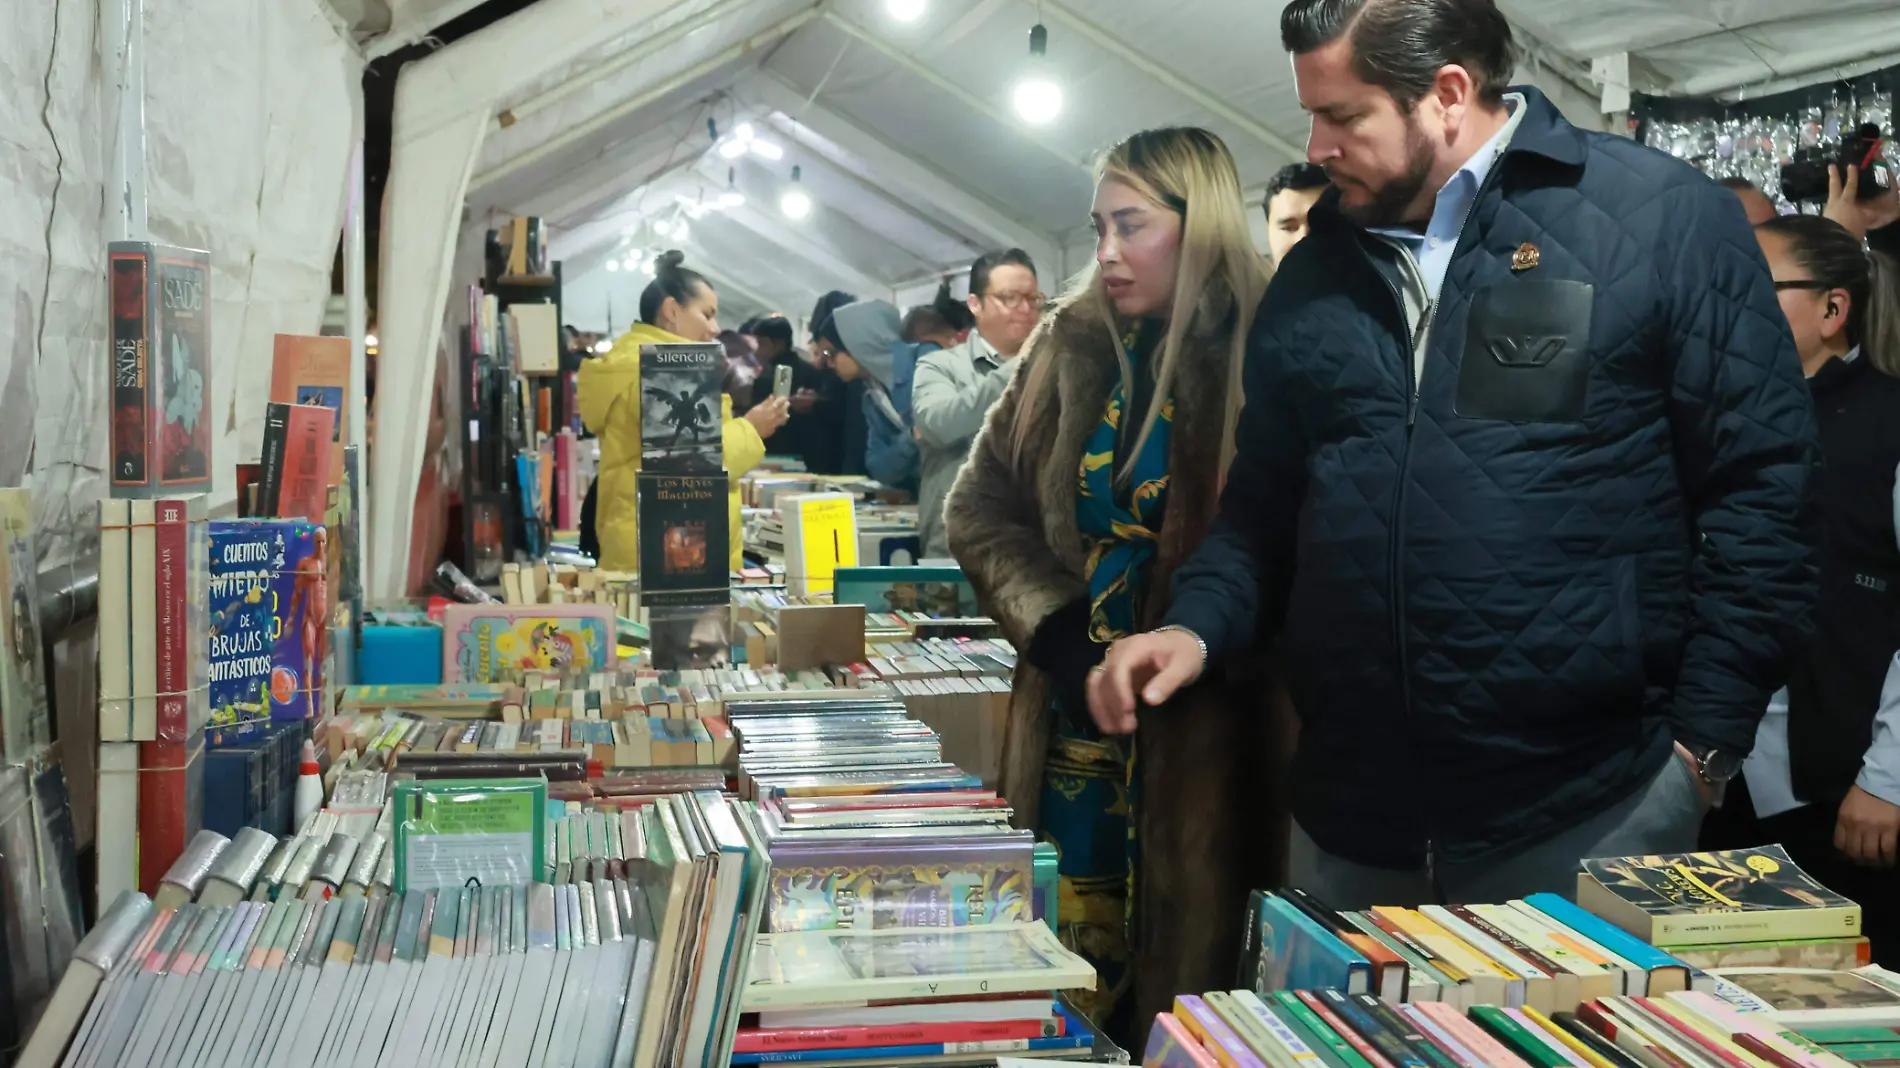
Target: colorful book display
[500,643]
[268,591]
[161,369]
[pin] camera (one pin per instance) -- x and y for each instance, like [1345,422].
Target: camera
[1805,176]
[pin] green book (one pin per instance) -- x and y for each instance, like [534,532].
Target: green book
[1331,1047]
[1500,1026]
[1848,1036]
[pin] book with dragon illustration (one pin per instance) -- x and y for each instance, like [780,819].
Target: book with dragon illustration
[680,414]
[502,643]
[161,369]
[902,884]
[268,593]
[1694,899]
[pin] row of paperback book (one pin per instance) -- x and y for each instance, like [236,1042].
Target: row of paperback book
[1749,1019]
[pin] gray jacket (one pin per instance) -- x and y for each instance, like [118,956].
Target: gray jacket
[951,395]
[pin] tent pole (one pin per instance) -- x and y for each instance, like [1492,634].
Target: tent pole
[356,325]
[125,147]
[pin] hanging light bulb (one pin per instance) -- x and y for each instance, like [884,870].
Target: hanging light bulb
[1037,97]
[370,342]
[680,231]
[906,10]
[631,265]
[744,132]
[732,148]
[664,228]
[633,255]
[646,268]
[795,203]
[612,266]
[731,198]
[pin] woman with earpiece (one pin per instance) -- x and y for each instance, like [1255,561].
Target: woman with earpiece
[678,306]
[1824,778]
[1097,474]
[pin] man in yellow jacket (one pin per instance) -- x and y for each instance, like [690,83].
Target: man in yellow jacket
[608,392]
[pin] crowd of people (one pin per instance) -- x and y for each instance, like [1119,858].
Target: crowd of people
[1518,550]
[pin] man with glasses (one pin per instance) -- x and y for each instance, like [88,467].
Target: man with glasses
[955,388]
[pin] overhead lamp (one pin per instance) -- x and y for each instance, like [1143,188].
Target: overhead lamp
[1037,97]
[796,204]
[612,266]
[745,139]
[906,10]
[732,148]
[680,231]
[646,268]
[663,227]
[369,341]
[633,255]
[603,346]
[731,198]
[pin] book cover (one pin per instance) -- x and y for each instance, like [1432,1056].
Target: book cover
[266,593]
[1282,948]
[688,630]
[684,537]
[129,279]
[1832,954]
[181,379]
[680,410]
[315,371]
[24,723]
[501,643]
[170,805]
[821,536]
[1170,1045]
[812,968]
[1803,997]
[270,465]
[298,488]
[1699,898]
[934,591]
[943,884]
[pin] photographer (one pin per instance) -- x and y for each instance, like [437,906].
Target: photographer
[1871,220]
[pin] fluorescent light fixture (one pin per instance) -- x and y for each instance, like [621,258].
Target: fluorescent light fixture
[663,228]
[767,150]
[732,148]
[612,266]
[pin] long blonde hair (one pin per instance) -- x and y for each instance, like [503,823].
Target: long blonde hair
[1218,282]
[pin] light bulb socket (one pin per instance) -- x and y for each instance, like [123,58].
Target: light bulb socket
[712,128]
[1038,40]
[797,173]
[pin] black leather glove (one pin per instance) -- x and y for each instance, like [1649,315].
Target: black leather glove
[1063,650]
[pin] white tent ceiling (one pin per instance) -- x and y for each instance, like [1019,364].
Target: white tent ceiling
[904,133]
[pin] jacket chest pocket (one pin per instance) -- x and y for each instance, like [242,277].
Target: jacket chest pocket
[1526,356]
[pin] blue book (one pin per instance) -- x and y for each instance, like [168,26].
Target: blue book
[1282,948]
[1666,973]
[892,1054]
[268,602]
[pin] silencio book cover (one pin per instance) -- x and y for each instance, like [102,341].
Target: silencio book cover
[161,369]
[267,611]
[684,536]
[680,408]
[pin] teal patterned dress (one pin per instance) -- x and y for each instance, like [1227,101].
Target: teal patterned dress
[1089,794]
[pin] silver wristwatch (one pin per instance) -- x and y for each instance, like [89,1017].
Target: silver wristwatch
[1175,628]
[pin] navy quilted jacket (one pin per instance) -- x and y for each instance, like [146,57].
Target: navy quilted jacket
[1588,532]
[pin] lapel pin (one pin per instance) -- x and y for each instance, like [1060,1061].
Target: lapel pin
[1525,257]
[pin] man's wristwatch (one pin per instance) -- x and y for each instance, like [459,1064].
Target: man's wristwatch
[1716,766]
[1175,628]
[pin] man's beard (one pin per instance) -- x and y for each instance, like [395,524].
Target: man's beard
[1391,201]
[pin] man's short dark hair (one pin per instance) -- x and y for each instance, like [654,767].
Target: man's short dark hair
[1400,45]
[1298,177]
[987,264]
[774,328]
[1739,185]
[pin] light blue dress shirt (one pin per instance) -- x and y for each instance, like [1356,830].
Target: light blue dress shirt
[1770,777]
[1433,249]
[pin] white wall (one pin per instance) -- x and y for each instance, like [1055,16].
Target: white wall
[585,300]
[249,111]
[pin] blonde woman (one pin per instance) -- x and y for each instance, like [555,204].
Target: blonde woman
[1097,474]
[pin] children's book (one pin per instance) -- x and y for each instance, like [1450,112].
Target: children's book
[501,643]
[269,593]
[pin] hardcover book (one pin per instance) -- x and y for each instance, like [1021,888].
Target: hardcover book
[315,371]
[904,884]
[680,414]
[934,591]
[501,643]
[267,613]
[684,536]
[161,369]
[297,448]
[1695,899]
[24,723]
[689,629]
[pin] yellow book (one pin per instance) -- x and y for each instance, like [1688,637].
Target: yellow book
[1489,983]
[821,536]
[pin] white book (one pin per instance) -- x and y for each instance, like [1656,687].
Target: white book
[225,988]
[155,1015]
[490,943]
[596,1046]
[350,1009]
[807,969]
[388,973]
[115,621]
[452,975]
[447,1045]
[116,826]
[537,976]
[316,1016]
[198,986]
[515,963]
[288,1016]
[144,624]
[639,927]
[111,992]
[686,979]
[278,972]
[1528,985]
[105,950]
[1634,981]
[405,1046]
[403,983]
[863,1015]
[667,888]
[758,876]
[271,934]
[577,994]
[567,930]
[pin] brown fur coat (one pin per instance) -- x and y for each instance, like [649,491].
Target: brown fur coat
[1212,823]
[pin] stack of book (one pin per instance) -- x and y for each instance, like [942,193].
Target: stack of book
[684,521]
[542,582]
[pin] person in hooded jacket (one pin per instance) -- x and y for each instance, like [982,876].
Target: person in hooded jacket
[863,343]
[678,306]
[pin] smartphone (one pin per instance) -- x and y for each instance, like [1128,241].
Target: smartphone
[782,382]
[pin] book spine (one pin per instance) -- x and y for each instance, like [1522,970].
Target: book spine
[130,281]
[144,625]
[760,1040]
[1488,1049]
[115,668]
[1659,965]
[172,577]
[1516,1038]
[1395,1023]
[270,482]
[1392,1044]
[1338,1026]
[168,807]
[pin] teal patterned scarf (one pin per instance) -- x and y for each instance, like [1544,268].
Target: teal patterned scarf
[1121,523]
